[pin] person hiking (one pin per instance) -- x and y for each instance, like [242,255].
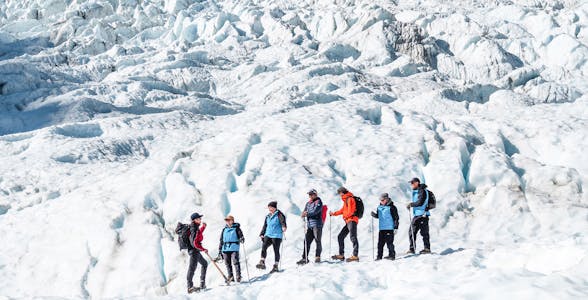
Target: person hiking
[388,220]
[420,216]
[197,228]
[313,212]
[271,234]
[351,220]
[230,238]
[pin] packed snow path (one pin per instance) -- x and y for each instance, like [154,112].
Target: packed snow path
[120,118]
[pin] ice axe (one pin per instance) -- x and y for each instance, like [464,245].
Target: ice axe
[218,268]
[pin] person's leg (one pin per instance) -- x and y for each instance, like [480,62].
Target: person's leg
[390,242]
[318,233]
[425,232]
[276,243]
[204,265]
[236,263]
[228,263]
[414,229]
[191,268]
[341,239]
[353,230]
[307,241]
[380,244]
[266,243]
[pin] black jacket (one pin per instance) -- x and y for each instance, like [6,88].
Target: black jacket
[239,235]
[282,219]
[422,196]
[393,212]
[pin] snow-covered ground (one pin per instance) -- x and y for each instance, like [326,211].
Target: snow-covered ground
[119,118]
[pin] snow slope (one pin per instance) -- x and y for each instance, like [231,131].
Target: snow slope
[119,118]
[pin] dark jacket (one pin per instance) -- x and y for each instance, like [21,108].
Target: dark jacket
[393,213]
[240,237]
[422,196]
[196,236]
[314,210]
[282,220]
[419,201]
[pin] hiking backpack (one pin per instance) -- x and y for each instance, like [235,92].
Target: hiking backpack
[358,207]
[432,201]
[324,213]
[183,231]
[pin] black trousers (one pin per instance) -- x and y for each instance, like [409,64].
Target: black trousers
[350,227]
[267,241]
[195,259]
[313,234]
[232,259]
[419,224]
[386,237]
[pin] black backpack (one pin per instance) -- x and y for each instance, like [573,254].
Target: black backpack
[183,231]
[358,207]
[432,201]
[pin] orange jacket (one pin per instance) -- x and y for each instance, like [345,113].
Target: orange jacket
[348,208]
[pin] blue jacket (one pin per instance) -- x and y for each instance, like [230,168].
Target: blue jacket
[420,199]
[272,227]
[314,211]
[387,216]
[230,238]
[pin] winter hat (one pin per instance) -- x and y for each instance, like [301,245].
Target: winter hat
[312,191]
[384,196]
[415,180]
[229,217]
[195,216]
[273,204]
[342,190]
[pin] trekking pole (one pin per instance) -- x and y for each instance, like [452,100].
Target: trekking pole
[412,238]
[305,241]
[330,235]
[282,250]
[246,263]
[373,255]
[217,267]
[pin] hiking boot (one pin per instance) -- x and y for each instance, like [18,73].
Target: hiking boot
[410,251]
[274,269]
[352,258]
[338,257]
[238,278]
[230,279]
[390,257]
[261,265]
[317,259]
[378,258]
[425,251]
[301,262]
[192,290]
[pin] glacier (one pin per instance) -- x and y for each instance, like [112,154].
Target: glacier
[120,118]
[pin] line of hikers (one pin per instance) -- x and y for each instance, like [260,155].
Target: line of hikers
[274,228]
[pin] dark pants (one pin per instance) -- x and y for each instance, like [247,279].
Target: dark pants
[232,258]
[350,227]
[419,224]
[313,234]
[195,259]
[267,241]
[386,237]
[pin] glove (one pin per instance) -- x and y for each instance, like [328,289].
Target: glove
[408,206]
[218,258]
[375,215]
[261,237]
[395,230]
[242,240]
[283,229]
